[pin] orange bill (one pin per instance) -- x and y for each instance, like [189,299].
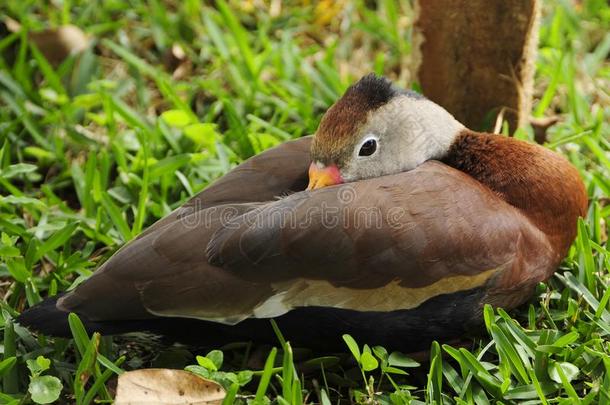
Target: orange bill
[322,176]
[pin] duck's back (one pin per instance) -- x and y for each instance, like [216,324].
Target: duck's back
[396,260]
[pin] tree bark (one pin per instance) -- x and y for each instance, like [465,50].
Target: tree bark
[476,58]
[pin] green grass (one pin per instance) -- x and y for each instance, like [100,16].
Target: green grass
[94,150]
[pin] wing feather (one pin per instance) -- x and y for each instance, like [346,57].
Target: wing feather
[403,227]
[236,251]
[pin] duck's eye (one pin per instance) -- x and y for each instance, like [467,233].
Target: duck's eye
[368,148]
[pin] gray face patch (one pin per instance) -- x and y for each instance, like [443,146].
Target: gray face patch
[345,118]
[410,130]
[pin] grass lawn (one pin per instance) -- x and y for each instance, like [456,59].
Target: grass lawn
[169,95]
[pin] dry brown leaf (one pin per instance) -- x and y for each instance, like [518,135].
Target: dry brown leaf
[158,386]
[56,44]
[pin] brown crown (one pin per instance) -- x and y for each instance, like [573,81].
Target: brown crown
[341,122]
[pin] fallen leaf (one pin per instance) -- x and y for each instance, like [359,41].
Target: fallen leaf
[158,386]
[56,44]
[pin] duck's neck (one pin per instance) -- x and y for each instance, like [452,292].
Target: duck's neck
[541,184]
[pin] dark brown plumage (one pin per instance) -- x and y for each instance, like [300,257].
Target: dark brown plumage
[396,260]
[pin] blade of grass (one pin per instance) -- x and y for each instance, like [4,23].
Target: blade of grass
[266,377]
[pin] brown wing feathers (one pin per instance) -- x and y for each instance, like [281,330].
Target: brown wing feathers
[387,244]
[421,250]
[263,177]
[413,219]
[408,251]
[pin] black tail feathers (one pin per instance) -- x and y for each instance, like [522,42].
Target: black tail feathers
[49,320]
[46,318]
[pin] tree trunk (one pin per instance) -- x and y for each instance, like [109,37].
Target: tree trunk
[476,58]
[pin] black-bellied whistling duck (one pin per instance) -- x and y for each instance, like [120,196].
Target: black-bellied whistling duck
[411,223]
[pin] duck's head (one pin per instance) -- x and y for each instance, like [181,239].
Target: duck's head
[377,129]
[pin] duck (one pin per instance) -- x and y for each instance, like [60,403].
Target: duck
[393,223]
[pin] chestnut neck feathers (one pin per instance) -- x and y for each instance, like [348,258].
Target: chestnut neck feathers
[409,130]
[541,184]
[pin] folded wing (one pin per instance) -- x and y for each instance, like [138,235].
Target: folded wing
[235,251]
